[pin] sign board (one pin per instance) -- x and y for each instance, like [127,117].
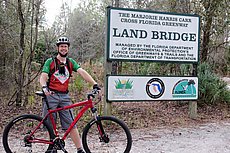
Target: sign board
[141,35]
[148,88]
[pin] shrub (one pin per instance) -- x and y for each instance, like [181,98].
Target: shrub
[212,89]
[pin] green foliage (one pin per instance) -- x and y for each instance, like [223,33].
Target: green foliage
[185,69]
[161,68]
[31,100]
[35,66]
[39,51]
[89,70]
[77,85]
[212,89]
[147,68]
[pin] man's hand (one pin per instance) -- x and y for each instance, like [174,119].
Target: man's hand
[46,90]
[95,86]
[98,91]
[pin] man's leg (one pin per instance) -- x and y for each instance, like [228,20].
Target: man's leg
[74,134]
[67,118]
[52,104]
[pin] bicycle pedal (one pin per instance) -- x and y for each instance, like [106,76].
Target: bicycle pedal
[28,145]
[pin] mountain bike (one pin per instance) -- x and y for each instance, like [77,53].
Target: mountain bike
[32,133]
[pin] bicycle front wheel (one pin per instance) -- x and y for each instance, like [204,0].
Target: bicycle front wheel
[106,135]
[16,135]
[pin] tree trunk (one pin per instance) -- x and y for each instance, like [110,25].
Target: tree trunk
[206,39]
[33,43]
[21,53]
[178,6]
[30,55]
[210,8]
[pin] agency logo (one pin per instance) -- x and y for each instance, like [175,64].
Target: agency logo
[123,89]
[123,84]
[184,88]
[155,88]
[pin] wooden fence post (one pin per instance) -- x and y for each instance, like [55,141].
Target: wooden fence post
[193,109]
[193,104]
[107,105]
[110,68]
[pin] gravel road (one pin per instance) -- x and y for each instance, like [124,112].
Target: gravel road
[206,138]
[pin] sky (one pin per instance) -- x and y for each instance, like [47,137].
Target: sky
[53,8]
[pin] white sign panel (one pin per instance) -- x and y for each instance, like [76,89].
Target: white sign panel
[141,88]
[152,36]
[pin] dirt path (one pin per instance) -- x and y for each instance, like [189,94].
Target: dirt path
[206,138]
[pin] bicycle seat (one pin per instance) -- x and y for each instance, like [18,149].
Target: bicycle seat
[40,93]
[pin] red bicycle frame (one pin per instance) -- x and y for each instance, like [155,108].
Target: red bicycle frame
[87,104]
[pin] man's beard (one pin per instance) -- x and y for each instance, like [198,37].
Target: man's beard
[62,54]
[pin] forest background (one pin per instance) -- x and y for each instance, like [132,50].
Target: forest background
[26,42]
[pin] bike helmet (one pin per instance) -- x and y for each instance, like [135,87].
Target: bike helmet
[63,40]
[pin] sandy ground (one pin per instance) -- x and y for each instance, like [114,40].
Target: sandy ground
[206,138]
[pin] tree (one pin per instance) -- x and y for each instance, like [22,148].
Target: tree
[34,23]
[20,78]
[20,35]
[61,21]
[86,29]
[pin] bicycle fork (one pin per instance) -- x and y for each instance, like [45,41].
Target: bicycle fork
[103,136]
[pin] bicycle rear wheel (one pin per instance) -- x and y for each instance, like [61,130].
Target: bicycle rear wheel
[116,138]
[17,132]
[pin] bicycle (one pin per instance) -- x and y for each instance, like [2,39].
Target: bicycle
[101,134]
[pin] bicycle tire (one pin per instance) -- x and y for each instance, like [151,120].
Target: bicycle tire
[119,136]
[19,128]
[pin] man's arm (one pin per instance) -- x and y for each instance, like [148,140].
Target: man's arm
[43,82]
[85,75]
[43,79]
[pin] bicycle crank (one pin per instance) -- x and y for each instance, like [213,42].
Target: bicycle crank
[59,144]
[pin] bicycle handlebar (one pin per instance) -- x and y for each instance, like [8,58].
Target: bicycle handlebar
[93,93]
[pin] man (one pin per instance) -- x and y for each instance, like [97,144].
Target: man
[54,80]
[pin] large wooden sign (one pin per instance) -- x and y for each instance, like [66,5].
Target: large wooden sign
[140,35]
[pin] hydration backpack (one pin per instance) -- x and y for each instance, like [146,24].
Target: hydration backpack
[57,67]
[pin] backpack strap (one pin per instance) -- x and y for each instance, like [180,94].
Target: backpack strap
[52,70]
[68,67]
[55,66]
